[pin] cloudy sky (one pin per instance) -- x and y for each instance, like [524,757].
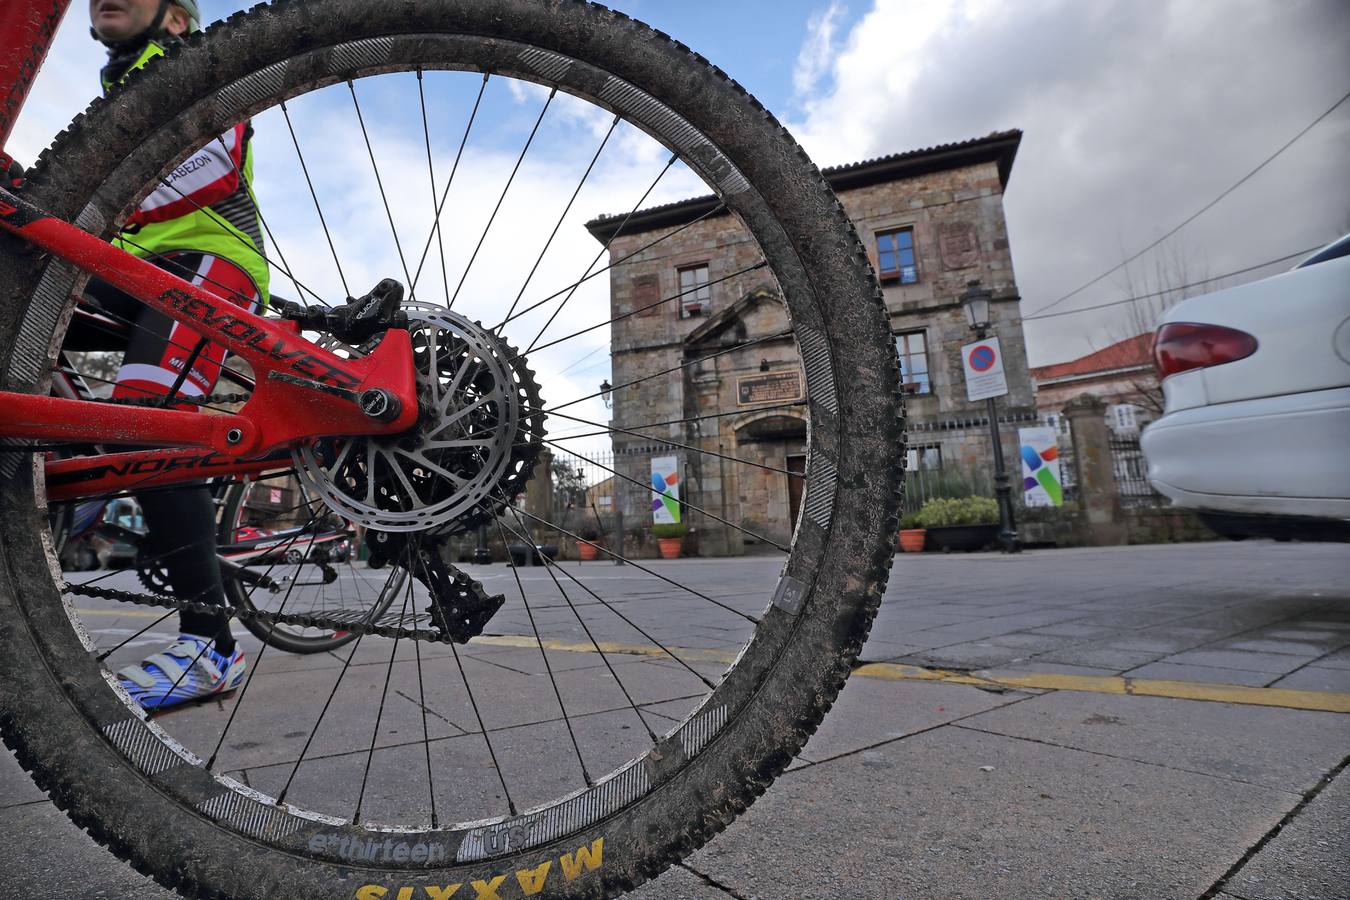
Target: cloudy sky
[1136,114]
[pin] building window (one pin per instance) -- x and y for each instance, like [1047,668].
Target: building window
[1122,417]
[895,256]
[917,458]
[913,351]
[695,295]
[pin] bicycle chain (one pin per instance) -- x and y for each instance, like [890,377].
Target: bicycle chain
[340,620]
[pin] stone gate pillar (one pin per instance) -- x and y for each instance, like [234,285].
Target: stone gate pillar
[1098,493]
[539,501]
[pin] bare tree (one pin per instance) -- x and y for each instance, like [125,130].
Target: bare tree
[1167,276]
[98,367]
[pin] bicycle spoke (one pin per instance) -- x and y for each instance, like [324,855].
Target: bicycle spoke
[627,561]
[606,429]
[215,218]
[435,210]
[317,208]
[492,218]
[730,348]
[584,627]
[478,715]
[609,606]
[603,250]
[669,443]
[356,645]
[451,180]
[642,309]
[285,266]
[647,486]
[107,653]
[243,692]
[548,667]
[188,363]
[379,715]
[548,243]
[618,262]
[426,734]
[412,294]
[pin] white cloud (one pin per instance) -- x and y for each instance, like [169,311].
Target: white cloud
[1133,117]
[818,50]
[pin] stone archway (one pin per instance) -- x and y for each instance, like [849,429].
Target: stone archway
[769,498]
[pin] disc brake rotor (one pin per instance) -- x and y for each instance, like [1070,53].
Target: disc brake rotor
[475,444]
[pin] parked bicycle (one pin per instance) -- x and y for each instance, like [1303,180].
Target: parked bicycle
[551,739]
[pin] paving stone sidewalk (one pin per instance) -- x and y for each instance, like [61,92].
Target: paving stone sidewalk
[938,789]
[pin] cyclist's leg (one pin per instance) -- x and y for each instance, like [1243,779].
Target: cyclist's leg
[181,524]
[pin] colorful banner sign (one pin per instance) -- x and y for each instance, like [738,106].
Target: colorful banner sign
[665,490]
[1041,484]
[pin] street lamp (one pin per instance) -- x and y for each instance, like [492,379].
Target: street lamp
[976,302]
[607,394]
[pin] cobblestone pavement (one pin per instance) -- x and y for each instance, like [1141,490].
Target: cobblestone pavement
[1162,721]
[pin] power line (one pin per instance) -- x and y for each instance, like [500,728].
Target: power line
[1195,215]
[1180,287]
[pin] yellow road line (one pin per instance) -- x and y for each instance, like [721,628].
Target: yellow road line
[1320,701]
[124,613]
[689,654]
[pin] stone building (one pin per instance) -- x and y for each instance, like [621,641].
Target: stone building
[700,312]
[1121,375]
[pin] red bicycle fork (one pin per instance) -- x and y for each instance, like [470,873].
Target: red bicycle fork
[303,391]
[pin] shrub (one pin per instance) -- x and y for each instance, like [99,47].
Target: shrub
[946,511]
[911,520]
[669,530]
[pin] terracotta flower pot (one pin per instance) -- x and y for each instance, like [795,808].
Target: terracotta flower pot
[911,539]
[587,552]
[670,547]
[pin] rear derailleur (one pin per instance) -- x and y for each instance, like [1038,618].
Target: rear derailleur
[460,608]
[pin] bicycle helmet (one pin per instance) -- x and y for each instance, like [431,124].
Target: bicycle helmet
[153,31]
[194,13]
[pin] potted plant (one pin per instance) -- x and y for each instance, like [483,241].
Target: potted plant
[960,523]
[912,533]
[670,537]
[588,551]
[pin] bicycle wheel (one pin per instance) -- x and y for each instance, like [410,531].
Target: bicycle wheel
[273,546]
[527,773]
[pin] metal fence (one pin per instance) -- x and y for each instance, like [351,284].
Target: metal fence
[585,488]
[1131,469]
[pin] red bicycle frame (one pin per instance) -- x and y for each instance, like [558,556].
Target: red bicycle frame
[302,391]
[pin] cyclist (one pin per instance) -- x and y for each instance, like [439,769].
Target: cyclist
[201,223]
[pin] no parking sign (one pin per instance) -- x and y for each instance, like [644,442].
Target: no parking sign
[983,363]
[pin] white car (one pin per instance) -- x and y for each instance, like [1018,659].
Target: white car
[1256,432]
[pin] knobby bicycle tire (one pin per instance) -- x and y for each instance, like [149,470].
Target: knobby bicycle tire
[135,790]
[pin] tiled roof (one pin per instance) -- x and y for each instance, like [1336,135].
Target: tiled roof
[1000,147]
[1131,352]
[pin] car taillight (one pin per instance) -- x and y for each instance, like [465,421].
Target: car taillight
[1182,346]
